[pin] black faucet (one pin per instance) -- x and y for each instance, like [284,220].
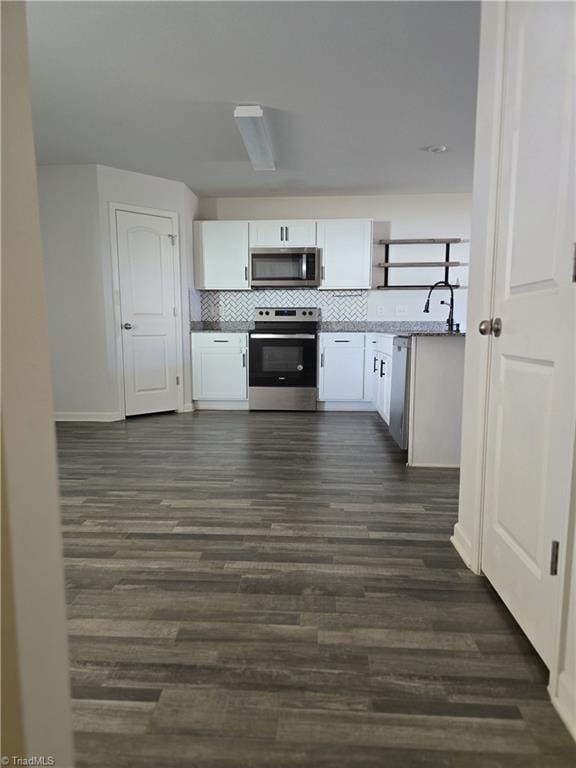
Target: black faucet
[450,319]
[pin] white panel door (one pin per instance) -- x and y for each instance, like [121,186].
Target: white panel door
[341,374]
[283,234]
[147,263]
[531,401]
[346,256]
[222,255]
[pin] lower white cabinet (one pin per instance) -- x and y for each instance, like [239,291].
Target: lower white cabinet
[341,374]
[378,373]
[383,386]
[219,366]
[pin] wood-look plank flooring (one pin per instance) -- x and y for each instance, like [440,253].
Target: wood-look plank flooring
[270,590]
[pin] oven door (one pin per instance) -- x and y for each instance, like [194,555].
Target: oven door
[288,267]
[282,359]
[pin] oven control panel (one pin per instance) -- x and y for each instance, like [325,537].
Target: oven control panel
[291,314]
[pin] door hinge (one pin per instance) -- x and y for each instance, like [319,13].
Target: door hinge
[172,239]
[177,381]
[174,311]
[554,558]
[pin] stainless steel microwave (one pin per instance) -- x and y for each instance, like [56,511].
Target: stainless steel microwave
[284,267]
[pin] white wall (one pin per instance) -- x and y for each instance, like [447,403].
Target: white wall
[402,216]
[38,680]
[83,375]
[83,328]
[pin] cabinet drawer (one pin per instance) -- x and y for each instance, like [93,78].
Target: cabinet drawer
[220,341]
[344,340]
[380,342]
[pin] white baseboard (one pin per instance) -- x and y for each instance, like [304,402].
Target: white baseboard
[221,405]
[343,405]
[188,408]
[565,702]
[87,416]
[462,545]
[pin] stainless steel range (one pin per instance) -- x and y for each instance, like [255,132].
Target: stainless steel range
[283,350]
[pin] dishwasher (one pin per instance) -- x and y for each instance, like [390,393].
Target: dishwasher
[400,390]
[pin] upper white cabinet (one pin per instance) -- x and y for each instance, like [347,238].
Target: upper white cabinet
[221,255]
[346,253]
[282,234]
[341,367]
[219,366]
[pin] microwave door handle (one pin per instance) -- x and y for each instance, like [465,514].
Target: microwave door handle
[304,259]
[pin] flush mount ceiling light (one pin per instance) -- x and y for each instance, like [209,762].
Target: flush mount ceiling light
[436,149]
[251,123]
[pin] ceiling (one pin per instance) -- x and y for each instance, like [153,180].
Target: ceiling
[354,90]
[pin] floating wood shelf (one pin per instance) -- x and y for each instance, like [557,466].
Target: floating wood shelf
[446,265]
[426,241]
[411,287]
[410,264]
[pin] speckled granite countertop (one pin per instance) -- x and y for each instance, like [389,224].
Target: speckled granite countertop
[398,328]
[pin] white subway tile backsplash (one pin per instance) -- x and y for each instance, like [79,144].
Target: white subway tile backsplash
[239,306]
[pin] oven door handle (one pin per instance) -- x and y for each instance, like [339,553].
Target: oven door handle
[282,336]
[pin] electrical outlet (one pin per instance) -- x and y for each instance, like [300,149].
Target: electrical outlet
[401,310]
[380,311]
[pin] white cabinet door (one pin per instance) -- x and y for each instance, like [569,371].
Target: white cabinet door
[219,367]
[278,234]
[222,255]
[341,367]
[370,372]
[386,379]
[381,387]
[346,256]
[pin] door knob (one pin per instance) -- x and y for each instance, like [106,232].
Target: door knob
[127,326]
[494,327]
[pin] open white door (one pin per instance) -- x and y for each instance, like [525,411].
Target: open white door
[531,403]
[147,264]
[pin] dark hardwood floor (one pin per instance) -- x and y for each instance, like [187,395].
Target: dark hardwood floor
[273,590]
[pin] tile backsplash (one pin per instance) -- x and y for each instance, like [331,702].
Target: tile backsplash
[239,306]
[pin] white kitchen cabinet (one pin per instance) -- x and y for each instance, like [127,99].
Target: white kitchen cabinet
[341,374]
[221,249]
[219,366]
[346,256]
[282,234]
[384,386]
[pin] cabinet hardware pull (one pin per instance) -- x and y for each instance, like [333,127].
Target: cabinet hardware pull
[382,364]
[243,359]
[323,272]
[282,336]
[375,365]
[245,273]
[342,341]
[220,341]
[554,558]
[287,233]
[322,360]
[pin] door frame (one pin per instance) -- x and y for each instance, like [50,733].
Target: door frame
[113,209]
[485,198]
